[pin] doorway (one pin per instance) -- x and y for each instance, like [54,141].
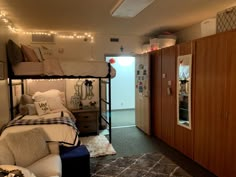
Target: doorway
[123,91]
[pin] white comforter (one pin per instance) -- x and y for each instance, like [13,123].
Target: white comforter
[69,68]
[62,133]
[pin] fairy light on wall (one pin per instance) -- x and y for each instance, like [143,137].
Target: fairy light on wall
[86,36]
[8,22]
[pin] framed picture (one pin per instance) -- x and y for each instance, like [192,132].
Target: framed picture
[1,70]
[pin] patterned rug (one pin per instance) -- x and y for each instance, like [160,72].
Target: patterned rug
[98,145]
[146,165]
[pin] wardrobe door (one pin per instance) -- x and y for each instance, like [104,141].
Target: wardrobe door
[183,135]
[156,93]
[210,82]
[230,146]
[168,95]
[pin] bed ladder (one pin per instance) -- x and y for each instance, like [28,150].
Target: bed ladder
[11,85]
[106,117]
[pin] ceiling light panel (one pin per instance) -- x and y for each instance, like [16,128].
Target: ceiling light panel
[129,8]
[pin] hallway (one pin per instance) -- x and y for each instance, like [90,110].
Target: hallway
[121,118]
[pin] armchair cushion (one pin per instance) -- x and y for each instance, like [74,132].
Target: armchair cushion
[47,166]
[54,147]
[27,146]
[6,157]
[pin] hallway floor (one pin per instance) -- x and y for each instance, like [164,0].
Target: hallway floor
[124,117]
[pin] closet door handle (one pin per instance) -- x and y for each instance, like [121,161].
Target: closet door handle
[227,115]
[169,91]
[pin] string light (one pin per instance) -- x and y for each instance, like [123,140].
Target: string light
[85,36]
[12,28]
[40,80]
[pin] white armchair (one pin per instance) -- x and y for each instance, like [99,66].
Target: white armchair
[29,150]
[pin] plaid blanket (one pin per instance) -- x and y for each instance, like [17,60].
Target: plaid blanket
[41,121]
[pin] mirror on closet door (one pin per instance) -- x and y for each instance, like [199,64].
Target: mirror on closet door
[184,68]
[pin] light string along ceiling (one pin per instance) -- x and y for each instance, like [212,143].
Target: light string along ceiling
[85,36]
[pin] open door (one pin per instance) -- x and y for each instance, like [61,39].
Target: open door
[142,93]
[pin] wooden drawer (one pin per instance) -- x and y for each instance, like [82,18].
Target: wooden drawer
[87,127]
[86,120]
[87,116]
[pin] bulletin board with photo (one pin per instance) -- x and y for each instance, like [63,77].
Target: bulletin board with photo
[141,78]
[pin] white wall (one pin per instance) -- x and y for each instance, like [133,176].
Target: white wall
[196,31]
[70,91]
[77,49]
[190,33]
[4,96]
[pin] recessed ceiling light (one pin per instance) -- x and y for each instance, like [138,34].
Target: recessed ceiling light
[129,8]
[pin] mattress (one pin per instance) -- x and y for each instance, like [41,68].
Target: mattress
[53,67]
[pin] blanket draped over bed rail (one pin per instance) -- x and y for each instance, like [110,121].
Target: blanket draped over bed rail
[58,120]
[50,121]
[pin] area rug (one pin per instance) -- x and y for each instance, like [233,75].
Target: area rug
[144,165]
[98,145]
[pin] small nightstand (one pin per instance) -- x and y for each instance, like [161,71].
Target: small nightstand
[86,120]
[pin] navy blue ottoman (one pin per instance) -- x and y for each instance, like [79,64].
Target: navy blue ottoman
[75,161]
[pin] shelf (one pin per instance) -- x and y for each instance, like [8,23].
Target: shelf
[183,109]
[185,124]
[184,94]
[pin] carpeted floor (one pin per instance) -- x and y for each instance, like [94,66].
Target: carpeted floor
[130,142]
[145,165]
[98,145]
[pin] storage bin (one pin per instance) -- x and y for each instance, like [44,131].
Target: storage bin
[208,27]
[146,48]
[226,20]
[166,42]
[162,41]
[154,44]
[75,161]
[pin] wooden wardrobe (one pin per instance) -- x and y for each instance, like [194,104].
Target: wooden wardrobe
[215,111]
[163,104]
[211,141]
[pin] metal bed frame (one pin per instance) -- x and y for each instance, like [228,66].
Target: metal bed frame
[102,80]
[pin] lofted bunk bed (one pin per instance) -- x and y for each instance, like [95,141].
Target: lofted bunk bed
[21,69]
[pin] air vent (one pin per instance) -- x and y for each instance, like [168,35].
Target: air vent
[41,38]
[114,39]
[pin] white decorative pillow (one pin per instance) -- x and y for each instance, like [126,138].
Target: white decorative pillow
[31,109]
[63,98]
[55,103]
[38,53]
[54,97]
[28,146]
[6,157]
[25,171]
[42,107]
